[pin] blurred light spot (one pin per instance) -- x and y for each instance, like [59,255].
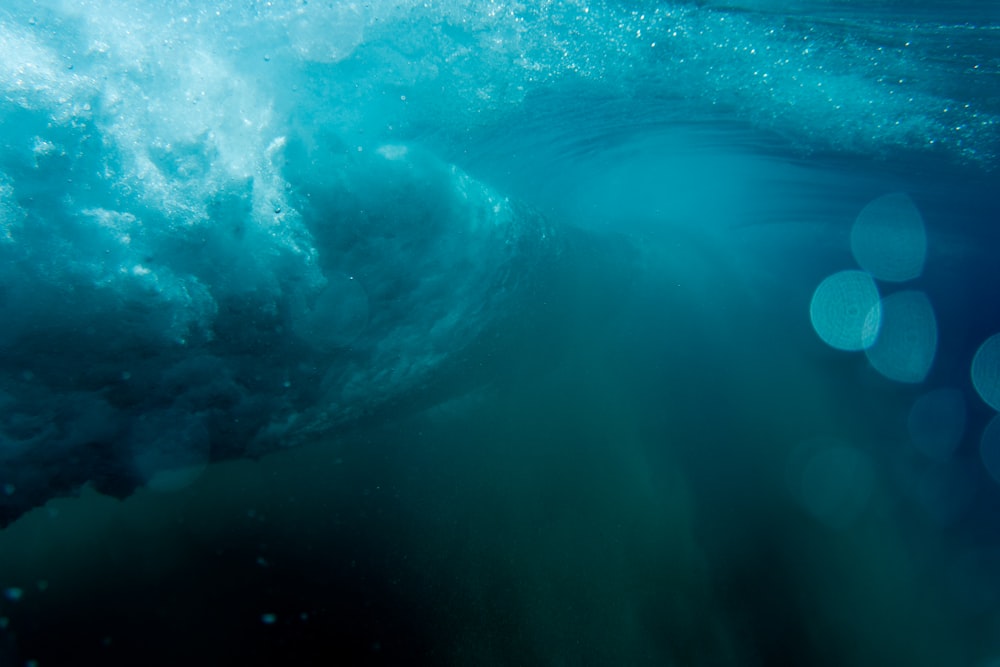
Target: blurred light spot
[831,480]
[937,423]
[888,238]
[986,371]
[13,593]
[906,343]
[268,619]
[971,579]
[944,490]
[836,484]
[845,310]
[989,448]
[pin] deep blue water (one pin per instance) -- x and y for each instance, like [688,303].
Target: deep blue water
[471,333]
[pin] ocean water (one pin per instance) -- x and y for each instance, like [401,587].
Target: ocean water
[487,333]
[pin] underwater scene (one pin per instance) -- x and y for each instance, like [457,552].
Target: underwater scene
[476,332]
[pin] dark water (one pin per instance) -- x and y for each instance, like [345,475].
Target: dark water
[487,334]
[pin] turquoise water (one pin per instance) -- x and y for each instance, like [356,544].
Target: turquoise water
[499,333]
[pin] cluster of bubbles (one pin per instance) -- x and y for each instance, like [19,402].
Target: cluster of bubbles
[898,332]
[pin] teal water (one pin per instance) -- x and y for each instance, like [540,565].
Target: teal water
[500,334]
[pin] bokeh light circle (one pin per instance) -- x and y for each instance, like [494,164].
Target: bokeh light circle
[986,371]
[846,311]
[907,340]
[836,485]
[831,480]
[888,238]
[989,448]
[936,423]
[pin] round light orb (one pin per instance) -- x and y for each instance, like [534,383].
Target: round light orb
[846,311]
[907,340]
[888,238]
[986,371]
[836,484]
[936,423]
[989,448]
